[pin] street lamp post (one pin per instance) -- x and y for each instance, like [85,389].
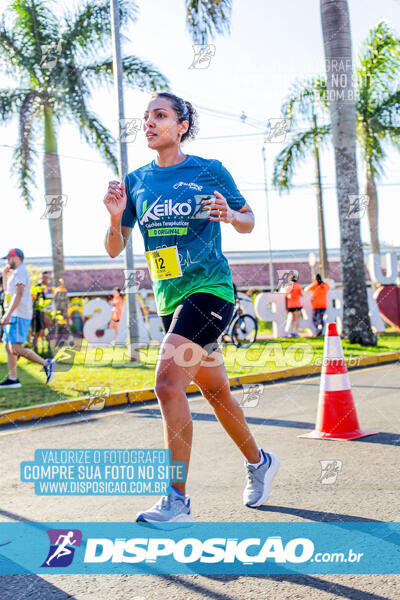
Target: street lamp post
[133,332]
[271,269]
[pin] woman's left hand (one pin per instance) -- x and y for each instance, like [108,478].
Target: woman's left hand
[218,209]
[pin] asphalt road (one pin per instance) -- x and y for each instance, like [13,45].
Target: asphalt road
[367,488]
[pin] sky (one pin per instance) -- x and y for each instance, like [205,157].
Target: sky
[271,45]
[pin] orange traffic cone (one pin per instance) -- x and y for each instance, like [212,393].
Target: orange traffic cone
[336,416]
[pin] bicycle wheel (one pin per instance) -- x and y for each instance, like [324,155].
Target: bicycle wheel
[243,331]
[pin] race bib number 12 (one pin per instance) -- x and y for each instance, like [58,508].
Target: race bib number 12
[164,263]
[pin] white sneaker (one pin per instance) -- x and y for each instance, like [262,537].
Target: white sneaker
[174,508]
[259,480]
[50,368]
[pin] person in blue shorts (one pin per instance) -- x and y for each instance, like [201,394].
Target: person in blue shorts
[17,320]
[179,202]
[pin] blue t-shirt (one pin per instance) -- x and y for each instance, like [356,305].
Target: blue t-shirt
[167,203]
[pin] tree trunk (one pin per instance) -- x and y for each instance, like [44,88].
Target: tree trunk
[54,198]
[323,256]
[339,69]
[371,192]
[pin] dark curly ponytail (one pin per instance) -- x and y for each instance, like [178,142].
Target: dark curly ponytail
[184,112]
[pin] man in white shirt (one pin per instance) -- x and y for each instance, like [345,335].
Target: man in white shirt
[17,319]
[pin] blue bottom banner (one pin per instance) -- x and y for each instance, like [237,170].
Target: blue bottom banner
[200,548]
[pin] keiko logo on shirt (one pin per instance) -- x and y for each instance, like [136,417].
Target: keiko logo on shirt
[164,208]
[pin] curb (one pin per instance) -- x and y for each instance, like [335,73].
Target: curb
[76,405]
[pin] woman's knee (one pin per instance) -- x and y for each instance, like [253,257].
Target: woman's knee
[167,389]
[15,349]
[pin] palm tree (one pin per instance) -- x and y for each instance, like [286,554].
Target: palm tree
[59,62]
[337,44]
[378,111]
[303,109]
[378,122]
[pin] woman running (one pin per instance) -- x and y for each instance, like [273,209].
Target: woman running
[294,304]
[319,290]
[179,201]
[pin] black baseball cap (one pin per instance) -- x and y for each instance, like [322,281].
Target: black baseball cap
[15,252]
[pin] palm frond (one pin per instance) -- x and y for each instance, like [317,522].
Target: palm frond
[388,110]
[382,135]
[9,103]
[138,73]
[297,150]
[379,51]
[36,27]
[305,99]
[91,24]
[393,134]
[12,56]
[91,128]
[370,138]
[95,133]
[25,151]
[379,63]
[206,18]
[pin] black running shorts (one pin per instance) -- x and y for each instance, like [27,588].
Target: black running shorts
[38,321]
[201,318]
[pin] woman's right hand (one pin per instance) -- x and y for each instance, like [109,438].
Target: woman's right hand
[115,199]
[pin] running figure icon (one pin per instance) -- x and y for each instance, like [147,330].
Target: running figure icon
[62,549]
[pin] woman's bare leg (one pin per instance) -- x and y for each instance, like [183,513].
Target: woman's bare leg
[179,361]
[296,321]
[213,381]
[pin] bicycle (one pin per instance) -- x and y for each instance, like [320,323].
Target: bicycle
[242,329]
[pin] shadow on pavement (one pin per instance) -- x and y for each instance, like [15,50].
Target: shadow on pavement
[154,413]
[32,586]
[384,531]
[25,584]
[19,587]
[384,437]
[342,591]
[314,515]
